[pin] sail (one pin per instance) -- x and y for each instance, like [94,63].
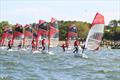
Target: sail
[42,30]
[72,31]
[27,34]
[53,34]
[96,33]
[28,31]
[6,34]
[71,35]
[34,35]
[18,32]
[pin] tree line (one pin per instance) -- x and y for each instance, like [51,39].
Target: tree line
[112,31]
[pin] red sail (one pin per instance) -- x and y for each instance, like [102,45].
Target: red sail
[96,32]
[18,32]
[28,31]
[53,28]
[72,32]
[98,19]
[42,30]
[53,31]
[6,34]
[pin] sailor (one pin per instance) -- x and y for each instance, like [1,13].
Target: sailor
[76,46]
[33,44]
[9,44]
[43,44]
[63,47]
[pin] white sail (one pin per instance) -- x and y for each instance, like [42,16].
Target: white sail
[95,34]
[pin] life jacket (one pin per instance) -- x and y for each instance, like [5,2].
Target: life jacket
[10,42]
[43,41]
[63,46]
[76,43]
[33,44]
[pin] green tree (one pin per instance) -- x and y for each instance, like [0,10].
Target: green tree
[119,22]
[82,29]
[3,24]
[114,23]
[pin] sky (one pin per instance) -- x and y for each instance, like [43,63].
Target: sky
[29,11]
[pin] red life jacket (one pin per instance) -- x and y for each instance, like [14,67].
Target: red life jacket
[63,46]
[43,41]
[10,42]
[76,43]
[33,44]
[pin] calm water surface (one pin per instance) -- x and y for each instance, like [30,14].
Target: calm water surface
[101,65]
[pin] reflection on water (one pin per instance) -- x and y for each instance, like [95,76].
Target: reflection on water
[101,65]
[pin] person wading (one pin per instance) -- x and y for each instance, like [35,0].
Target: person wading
[43,44]
[9,44]
[63,47]
[33,44]
[76,46]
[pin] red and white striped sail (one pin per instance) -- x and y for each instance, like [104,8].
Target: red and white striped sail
[53,33]
[27,33]
[18,32]
[6,34]
[71,35]
[96,32]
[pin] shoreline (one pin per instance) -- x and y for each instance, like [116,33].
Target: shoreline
[104,43]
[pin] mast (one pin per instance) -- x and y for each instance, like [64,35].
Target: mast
[23,42]
[49,36]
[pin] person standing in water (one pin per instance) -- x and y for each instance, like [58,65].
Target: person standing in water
[33,44]
[76,46]
[43,44]
[63,47]
[9,44]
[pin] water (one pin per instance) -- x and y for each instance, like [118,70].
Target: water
[101,65]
